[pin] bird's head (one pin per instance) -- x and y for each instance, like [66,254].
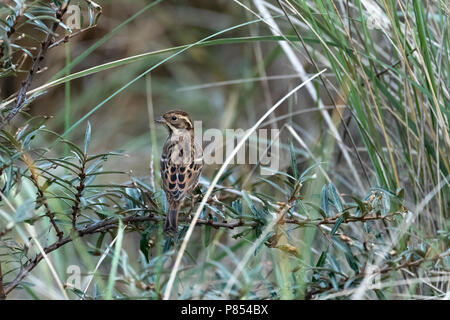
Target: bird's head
[175,120]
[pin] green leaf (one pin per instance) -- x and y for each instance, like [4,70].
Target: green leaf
[317,208]
[380,294]
[94,7]
[100,239]
[324,200]
[333,262]
[62,25]
[87,137]
[302,207]
[25,210]
[37,22]
[334,281]
[30,292]
[207,236]
[351,259]
[337,225]
[385,204]
[274,185]
[303,175]
[143,244]
[263,242]
[335,197]
[293,158]
[389,193]
[322,259]
[361,207]
[400,193]
[215,210]
[251,205]
[167,244]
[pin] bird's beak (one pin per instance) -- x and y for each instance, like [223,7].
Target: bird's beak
[160,120]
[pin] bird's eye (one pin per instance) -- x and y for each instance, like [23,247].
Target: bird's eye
[174,118]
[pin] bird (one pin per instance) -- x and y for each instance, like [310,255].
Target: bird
[181,163]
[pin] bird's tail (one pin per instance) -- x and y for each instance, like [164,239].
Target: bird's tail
[171,223]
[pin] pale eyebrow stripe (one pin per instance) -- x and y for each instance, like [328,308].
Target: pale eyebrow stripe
[187,119]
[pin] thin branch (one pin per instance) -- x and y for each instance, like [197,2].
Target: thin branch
[80,189]
[109,224]
[42,198]
[406,264]
[21,96]
[66,38]
[415,263]
[2,290]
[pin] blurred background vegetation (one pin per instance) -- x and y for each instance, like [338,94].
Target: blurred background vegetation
[358,209]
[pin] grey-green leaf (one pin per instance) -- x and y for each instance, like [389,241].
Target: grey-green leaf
[335,197]
[87,138]
[324,200]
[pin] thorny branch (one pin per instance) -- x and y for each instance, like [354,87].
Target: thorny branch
[42,199]
[11,30]
[80,189]
[404,265]
[45,45]
[113,223]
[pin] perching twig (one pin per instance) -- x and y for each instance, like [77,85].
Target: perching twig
[109,224]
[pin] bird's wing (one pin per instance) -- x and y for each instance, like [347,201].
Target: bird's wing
[195,168]
[179,177]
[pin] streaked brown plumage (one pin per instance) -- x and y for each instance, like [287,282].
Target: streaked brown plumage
[181,163]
